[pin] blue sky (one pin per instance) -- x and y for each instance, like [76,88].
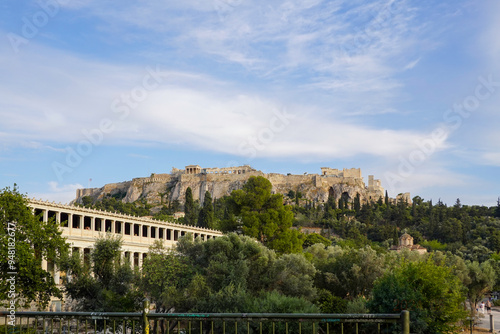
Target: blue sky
[405,90]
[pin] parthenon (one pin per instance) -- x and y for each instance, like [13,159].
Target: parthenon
[196,169]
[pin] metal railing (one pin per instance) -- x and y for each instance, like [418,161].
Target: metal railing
[203,323]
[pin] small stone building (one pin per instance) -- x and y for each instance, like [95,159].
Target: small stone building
[406,242]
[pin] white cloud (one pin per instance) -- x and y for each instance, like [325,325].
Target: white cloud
[491,158]
[240,124]
[318,60]
[34,145]
[490,40]
[434,178]
[197,110]
[359,43]
[412,64]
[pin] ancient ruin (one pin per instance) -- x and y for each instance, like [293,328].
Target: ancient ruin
[162,188]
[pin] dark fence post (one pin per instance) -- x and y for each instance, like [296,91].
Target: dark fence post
[145,321]
[405,322]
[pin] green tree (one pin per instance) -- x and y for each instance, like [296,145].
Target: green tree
[164,274]
[294,276]
[480,280]
[230,260]
[315,238]
[234,299]
[347,273]
[497,209]
[494,241]
[329,303]
[357,203]
[264,216]
[229,221]
[431,292]
[395,236]
[87,201]
[495,263]
[189,208]
[287,241]
[206,216]
[298,196]
[111,288]
[274,302]
[25,240]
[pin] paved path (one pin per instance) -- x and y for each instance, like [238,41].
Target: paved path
[485,322]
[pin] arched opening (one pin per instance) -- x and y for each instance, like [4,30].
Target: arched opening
[345,200]
[331,192]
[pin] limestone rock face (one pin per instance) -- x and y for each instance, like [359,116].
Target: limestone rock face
[159,189]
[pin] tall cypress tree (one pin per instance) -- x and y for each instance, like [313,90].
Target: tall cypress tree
[497,210]
[331,204]
[206,217]
[189,209]
[357,203]
[395,237]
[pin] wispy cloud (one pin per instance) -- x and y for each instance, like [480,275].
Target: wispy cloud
[491,158]
[411,65]
[345,71]
[194,109]
[358,42]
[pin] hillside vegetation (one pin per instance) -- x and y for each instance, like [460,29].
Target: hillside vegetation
[471,232]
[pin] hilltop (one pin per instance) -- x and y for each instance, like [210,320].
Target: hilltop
[160,189]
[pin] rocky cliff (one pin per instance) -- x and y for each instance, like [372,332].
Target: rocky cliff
[162,188]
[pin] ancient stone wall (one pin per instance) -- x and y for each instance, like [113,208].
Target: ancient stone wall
[405,197]
[351,172]
[158,189]
[86,192]
[228,170]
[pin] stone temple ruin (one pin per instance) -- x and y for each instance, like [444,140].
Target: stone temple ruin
[160,188]
[195,169]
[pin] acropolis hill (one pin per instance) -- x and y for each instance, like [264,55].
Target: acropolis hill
[162,188]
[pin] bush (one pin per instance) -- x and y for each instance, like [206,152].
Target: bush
[329,303]
[431,292]
[357,306]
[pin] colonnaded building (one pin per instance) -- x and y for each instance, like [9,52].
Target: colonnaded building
[82,226]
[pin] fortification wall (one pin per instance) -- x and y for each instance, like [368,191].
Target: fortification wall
[158,189]
[292,180]
[228,170]
[86,192]
[350,172]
